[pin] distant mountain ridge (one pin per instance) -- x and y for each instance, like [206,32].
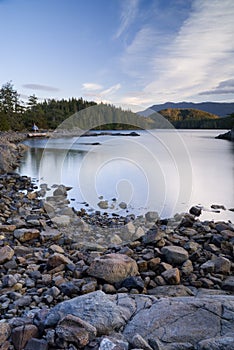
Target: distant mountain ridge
[222,109]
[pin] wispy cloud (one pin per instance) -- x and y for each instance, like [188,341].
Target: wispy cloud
[224,87]
[195,59]
[201,54]
[128,14]
[40,87]
[111,90]
[99,94]
[91,87]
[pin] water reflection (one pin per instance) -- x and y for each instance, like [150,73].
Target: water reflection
[161,170]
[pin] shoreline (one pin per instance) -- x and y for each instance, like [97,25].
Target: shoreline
[145,260]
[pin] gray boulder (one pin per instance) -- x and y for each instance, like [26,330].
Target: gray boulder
[176,323]
[100,310]
[185,319]
[218,343]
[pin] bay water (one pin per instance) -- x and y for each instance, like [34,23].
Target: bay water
[166,171]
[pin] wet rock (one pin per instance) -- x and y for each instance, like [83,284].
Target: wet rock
[103,204]
[123,205]
[6,254]
[60,191]
[113,267]
[152,216]
[175,254]
[218,206]
[195,210]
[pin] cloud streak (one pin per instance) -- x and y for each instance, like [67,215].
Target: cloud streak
[128,15]
[96,91]
[201,54]
[195,60]
[91,87]
[224,87]
[40,87]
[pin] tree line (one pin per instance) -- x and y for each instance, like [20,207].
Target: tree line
[49,114]
[18,115]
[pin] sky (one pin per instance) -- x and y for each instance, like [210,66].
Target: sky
[130,53]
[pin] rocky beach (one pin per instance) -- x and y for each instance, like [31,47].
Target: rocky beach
[76,280]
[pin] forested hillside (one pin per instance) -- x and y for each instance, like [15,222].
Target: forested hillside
[18,115]
[196,119]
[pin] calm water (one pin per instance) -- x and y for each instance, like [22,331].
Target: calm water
[162,170]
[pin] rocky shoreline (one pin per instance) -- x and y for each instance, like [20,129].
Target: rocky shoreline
[227,136]
[71,280]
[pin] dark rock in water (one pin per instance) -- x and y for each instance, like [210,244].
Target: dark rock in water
[218,206]
[195,211]
[152,216]
[123,205]
[227,136]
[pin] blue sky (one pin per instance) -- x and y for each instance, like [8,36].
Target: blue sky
[132,53]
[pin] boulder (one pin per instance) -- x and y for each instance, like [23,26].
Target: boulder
[104,312]
[152,216]
[113,267]
[195,210]
[222,265]
[57,259]
[6,254]
[22,334]
[26,234]
[183,319]
[175,255]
